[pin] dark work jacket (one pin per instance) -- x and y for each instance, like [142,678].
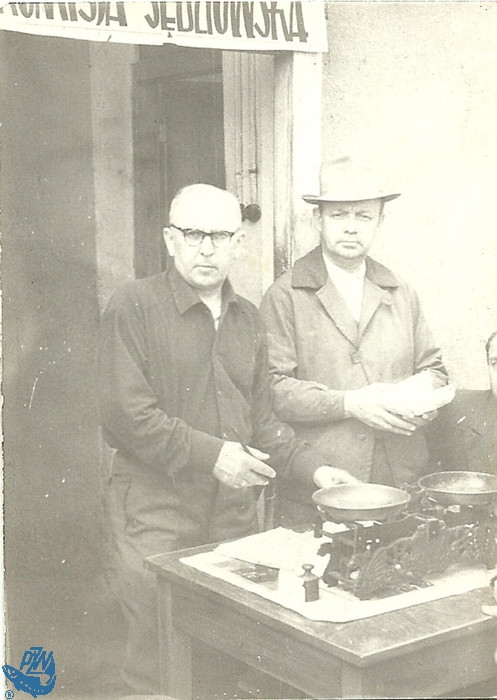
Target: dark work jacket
[173,389]
[464,435]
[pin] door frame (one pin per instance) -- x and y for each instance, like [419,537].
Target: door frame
[296,148]
[286,156]
[297,156]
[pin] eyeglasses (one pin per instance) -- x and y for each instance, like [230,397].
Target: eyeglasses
[194,237]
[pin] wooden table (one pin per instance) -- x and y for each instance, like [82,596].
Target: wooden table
[422,651]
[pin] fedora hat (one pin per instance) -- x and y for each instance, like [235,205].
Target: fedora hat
[344,180]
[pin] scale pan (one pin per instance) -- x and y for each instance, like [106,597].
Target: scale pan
[348,502]
[460,488]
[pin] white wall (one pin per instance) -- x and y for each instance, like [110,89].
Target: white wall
[414,86]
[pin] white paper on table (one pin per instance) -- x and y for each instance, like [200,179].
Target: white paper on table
[335,605]
[284,549]
[279,548]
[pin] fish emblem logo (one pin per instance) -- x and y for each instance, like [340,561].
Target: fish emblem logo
[36,673]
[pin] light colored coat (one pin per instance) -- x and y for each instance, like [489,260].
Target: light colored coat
[315,345]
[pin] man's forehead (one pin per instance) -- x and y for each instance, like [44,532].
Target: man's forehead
[218,221]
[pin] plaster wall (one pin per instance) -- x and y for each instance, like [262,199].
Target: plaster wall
[53,498]
[411,86]
[111,68]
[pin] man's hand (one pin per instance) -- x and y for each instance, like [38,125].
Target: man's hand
[237,468]
[372,406]
[420,421]
[326,476]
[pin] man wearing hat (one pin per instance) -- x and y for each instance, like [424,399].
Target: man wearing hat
[342,331]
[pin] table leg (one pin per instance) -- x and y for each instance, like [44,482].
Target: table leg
[175,649]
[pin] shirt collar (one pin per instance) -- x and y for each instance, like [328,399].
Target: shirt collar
[336,272]
[310,272]
[186,296]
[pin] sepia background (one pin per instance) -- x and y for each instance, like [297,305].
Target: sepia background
[96,140]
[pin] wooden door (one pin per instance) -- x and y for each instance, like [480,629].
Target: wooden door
[244,120]
[178,138]
[248,92]
[272,127]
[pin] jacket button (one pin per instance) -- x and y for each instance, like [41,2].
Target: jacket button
[355,357]
[362,436]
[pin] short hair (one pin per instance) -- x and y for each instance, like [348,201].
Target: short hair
[489,343]
[211,196]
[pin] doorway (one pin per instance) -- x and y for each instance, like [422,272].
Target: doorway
[178,138]
[204,115]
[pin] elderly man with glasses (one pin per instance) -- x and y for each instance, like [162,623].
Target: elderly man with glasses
[186,403]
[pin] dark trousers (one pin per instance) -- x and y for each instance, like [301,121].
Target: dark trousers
[146,519]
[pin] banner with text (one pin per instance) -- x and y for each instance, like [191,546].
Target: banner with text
[216,24]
